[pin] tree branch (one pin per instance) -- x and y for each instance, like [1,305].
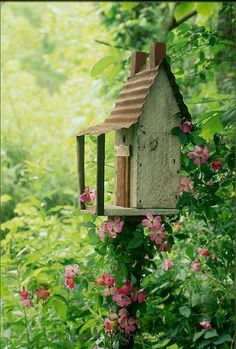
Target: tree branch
[175,24]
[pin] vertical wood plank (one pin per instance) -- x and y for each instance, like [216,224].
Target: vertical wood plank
[80,167]
[100,173]
[123,181]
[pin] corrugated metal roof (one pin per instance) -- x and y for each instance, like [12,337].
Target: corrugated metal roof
[131,101]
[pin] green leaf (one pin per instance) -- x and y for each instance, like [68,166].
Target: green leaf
[102,64]
[198,335]
[87,325]
[222,339]
[135,243]
[185,311]
[128,5]
[93,238]
[88,225]
[211,127]
[176,131]
[210,334]
[173,346]
[190,251]
[206,8]
[60,306]
[183,9]
[162,344]
[181,236]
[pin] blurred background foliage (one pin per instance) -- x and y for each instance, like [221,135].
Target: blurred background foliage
[63,64]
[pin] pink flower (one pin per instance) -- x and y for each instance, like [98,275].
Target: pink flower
[106,292]
[158,240]
[70,283]
[139,295]
[203,252]
[186,127]
[27,303]
[206,325]
[153,223]
[122,300]
[123,313]
[216,165]
[24,295]
[214,258]
[88,195]
[125,289]
[196,266]
[109,325]
[125,322]
[111,227]
[186,185]
[106,280]
[113,316]
[43,293]
[176,226]
[199,154]
[167,264]
[71,271]
[165,247]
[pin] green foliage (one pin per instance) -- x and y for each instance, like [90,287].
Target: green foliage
[65,79]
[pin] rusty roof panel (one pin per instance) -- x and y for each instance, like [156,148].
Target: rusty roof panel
[131,100]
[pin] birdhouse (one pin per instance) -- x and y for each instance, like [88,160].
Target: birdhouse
[147,154]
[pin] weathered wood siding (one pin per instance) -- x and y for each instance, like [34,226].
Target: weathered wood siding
[158,153]
[129,137]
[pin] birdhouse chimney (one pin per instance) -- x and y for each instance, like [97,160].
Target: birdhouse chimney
[138,60]
[157,53]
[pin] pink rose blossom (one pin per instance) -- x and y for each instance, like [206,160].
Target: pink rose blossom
[206,325]
[186,185]
[196,266]
[167,264]
[139,295]
[121,300]
[216,165]
[200,155]
[203,252]
[186,127]
[88,195]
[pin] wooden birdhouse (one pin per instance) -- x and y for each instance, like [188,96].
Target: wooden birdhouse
[147,153]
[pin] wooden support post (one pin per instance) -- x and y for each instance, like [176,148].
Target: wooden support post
[122,175]
[80,167]
[100,173]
